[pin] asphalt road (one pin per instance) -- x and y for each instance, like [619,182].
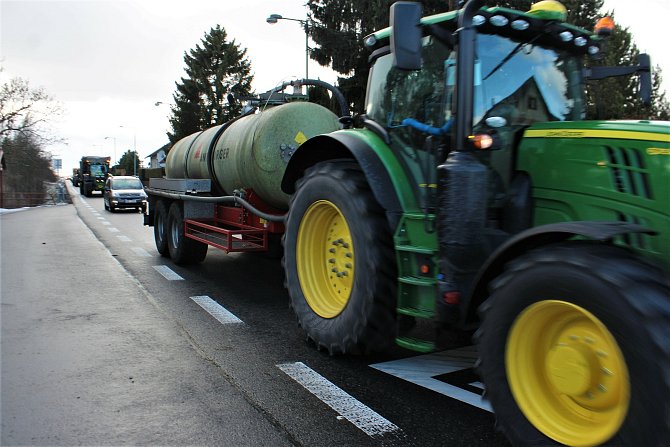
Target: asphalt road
[106,342]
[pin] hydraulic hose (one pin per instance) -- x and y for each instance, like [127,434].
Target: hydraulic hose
[344,106]
[220,199]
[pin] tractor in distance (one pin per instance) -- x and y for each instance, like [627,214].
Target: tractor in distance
[93,172]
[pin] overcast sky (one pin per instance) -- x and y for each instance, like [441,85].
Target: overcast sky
[109,61]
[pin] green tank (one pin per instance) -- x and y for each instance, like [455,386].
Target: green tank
[251,152]
[175,162]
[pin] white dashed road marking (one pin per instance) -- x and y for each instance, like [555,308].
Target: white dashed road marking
[351,409]
[216,310]
[168,273]
[124,239]
[113,230]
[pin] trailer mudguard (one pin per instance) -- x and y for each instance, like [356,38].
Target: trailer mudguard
[388,181]
[535,237]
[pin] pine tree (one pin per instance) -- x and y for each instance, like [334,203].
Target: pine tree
[338,28]
[215,69]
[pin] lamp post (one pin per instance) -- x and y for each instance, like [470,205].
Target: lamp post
[276,17]
[134,150]
[114,140]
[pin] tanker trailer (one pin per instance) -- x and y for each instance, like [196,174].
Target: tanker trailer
[222,186]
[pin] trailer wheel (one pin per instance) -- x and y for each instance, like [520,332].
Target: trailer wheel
[573,348]
[338,260]
[182,250]
[160,228]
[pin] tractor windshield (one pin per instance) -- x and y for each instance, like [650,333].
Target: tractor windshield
[518,81]
[98,170]
[525,83]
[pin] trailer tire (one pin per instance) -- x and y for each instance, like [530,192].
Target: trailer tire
[573,348]
[338,259]
[183,250]
[161,228]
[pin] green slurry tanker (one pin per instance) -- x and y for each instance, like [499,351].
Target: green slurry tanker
[470,195]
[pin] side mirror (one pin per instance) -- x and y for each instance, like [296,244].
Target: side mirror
[644,71]
[406,35]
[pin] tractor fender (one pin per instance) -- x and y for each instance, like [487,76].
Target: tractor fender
[536,237]
[346,145]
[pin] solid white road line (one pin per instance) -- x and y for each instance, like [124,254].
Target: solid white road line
[216,310]
[351,409]
[168,273]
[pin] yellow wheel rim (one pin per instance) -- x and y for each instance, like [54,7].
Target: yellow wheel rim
[325,259]
[567,373]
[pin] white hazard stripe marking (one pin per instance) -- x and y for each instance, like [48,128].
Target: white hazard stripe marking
[223,315]
[168,273]
[423,369]
[351,409]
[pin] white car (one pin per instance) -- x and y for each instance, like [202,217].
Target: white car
[122,192]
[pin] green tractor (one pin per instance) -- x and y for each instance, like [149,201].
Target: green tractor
[93,172]
[472,195]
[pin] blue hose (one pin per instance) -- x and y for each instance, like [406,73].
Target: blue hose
[425,128]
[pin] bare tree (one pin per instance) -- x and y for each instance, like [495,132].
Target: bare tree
[26,110]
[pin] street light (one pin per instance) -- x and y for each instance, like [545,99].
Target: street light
[113,139]
[134,150]
[276,17]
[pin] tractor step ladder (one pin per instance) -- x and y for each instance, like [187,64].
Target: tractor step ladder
[416,253]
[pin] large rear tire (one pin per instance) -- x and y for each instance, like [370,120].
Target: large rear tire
[573,348]
[183,250]
[161,228]
[338,260]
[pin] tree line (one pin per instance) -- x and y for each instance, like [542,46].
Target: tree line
[24,113]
